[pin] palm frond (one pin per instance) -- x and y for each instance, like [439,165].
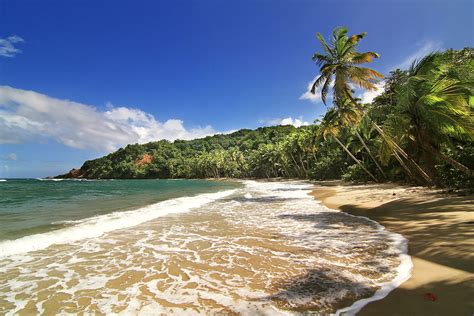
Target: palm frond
[325,89]
[357,37]
[419,65]
[326,47]
[320,59]
[318,82]
[367,57]
[365,78]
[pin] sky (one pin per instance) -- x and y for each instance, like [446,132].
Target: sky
[79,79]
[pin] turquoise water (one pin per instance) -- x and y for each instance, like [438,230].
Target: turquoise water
[161,246]
[32,206]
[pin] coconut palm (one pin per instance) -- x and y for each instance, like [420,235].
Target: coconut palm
[356,123]
[334,121]
[339,66]
[432,109]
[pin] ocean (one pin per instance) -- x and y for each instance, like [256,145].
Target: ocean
[153,247]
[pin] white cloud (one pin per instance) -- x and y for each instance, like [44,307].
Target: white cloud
[230,131]
[316,97]
[11,156]
[369,95]
[7,49]
[28,115]
[296,122]
[424,48]
[15,39]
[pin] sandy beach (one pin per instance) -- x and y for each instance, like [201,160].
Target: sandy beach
[256,248]
[441,243]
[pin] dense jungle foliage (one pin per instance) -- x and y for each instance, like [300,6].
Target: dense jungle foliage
[419,130]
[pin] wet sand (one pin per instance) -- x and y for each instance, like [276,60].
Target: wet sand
[265,249]
[440,231]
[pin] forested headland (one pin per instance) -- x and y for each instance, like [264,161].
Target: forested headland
[420,130]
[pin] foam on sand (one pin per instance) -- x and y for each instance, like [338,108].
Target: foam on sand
[404,272]
[98,225]
[268,249]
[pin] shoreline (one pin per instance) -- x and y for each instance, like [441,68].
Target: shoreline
[98,225]
[440,243]
[159,235]
[438,262]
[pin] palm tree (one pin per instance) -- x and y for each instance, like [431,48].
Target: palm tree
[334,122]
[432,109]
[339,67]
[356,124]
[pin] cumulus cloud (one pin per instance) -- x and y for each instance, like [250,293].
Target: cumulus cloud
[424,48]
[7,49]
[309,96]
[28,115]
[316,97]
[296,122]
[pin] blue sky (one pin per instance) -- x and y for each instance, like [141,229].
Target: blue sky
[80,78]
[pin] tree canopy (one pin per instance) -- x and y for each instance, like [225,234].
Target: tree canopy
[421,123]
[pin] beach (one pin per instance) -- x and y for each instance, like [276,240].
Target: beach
[235,247]
[253,247]
[438,227]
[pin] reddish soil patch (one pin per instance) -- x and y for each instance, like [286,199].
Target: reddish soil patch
[146,159]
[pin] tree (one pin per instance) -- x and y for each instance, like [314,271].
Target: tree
[432,110]
[332,124]
[339,64]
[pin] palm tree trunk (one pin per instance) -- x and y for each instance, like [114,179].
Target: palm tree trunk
[305,172]
[370,153]
[308,158]
[354,158]
[395,147]
[297,167]
[456,164]
[285,169]
[402,163]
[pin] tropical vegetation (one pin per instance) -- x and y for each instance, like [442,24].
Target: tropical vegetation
[420,129]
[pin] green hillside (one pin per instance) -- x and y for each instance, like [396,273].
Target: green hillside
[419,130]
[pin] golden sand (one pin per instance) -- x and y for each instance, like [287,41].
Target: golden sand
[270,249]
[440,231]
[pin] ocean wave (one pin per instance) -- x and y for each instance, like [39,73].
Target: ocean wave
[403,273]
[300,190]
[98,225]
[47,179]
[269,249]
[3,180]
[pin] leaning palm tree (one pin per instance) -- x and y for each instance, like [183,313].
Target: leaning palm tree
[334,121]
[356,123]
[339,67]
[433,108]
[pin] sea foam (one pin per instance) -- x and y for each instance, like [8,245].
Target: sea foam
[98,225]
[301,190]
[234,251]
